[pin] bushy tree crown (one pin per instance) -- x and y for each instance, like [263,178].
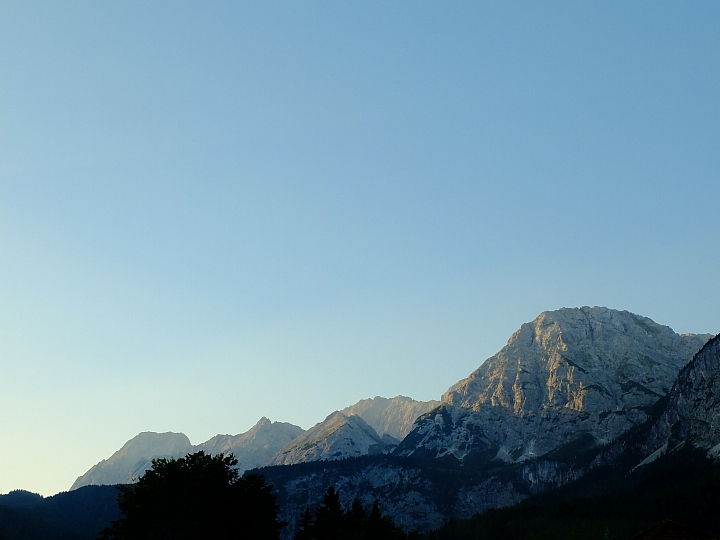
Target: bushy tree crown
[195,497]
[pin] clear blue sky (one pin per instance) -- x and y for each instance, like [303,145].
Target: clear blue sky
[215,211]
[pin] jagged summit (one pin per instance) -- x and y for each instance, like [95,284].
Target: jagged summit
[592,369]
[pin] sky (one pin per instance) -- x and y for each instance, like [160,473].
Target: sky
[216,211]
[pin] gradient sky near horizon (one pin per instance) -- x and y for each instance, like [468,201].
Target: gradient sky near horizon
[216,211]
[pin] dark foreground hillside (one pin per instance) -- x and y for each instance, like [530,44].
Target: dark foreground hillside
[73,515]
[607,503]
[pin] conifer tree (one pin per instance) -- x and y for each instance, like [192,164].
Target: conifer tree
[355,518]
[374,524]
[329,517]
[379,527]
[304,529]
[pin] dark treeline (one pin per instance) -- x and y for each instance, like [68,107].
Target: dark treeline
[331,522]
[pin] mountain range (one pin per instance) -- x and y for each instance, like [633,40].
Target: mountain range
[573,391]
[371,425]
[549,407]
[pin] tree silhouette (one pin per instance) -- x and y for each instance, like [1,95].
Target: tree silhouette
[355,519]
[198,496]
[379,527]
[329,516]
[304,529]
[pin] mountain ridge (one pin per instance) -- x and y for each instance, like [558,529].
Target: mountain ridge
[260,444]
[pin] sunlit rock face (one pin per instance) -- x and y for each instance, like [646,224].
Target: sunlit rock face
[255,447]
[134,458]
[394,417]
[581,370]
[336,437]
[692,413]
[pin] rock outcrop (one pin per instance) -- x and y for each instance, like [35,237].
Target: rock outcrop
[581,370]
[336,437]
[394,417]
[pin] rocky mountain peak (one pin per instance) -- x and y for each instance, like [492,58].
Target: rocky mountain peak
[589,369]
[578,359]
